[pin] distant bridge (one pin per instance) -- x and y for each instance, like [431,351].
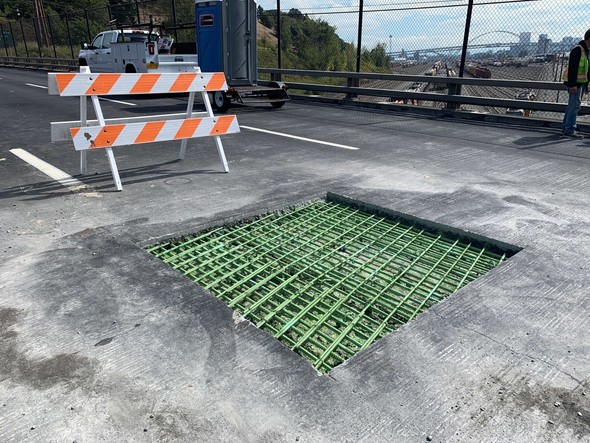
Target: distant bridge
[450,49]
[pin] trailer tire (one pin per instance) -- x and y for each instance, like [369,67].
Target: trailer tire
[281,93]
[130,69]
[82,62]
[221,101]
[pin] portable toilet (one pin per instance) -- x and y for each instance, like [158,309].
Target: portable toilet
[226,39]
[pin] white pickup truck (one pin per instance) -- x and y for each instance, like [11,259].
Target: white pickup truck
[134,51]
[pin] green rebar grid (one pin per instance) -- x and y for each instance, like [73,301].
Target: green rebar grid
[326,279]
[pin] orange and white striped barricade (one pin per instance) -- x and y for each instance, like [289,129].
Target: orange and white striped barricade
[106,134]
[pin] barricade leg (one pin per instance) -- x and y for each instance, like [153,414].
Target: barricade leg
[83,120]
[217,138]
[114,169]
[221,153]
[189,113]
[110,155]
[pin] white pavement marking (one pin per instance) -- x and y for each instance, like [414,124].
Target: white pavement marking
[100,98]
[50,170]
[36,86]
[352,148]
[117,101]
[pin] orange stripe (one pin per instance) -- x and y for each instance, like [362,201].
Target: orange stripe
[74,131]
[107,136]
[182,83]
[63,80]
[216,82]
[150,131]
[222,125]
[103,84]
[188,128]
[145,83]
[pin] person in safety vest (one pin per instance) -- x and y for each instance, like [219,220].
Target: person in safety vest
[575,78]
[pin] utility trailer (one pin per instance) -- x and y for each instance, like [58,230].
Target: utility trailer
[226,42]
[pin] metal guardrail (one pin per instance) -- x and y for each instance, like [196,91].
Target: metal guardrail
[353,90]
[41,63]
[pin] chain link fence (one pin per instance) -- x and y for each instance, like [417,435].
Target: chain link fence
[497,39]
[61,35]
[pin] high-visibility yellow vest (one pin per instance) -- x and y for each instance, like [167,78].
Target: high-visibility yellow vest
[582,68]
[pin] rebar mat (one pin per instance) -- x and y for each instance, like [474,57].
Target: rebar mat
[326,279]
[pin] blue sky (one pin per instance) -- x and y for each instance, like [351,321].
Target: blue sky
[443,26]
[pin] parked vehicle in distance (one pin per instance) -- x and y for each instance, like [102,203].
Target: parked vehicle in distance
[133,51]
[478,71]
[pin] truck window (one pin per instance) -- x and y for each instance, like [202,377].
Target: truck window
[108,39]
[97,42]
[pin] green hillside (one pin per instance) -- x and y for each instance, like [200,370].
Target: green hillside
[309,43]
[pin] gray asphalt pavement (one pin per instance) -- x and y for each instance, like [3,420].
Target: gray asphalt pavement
[100,341]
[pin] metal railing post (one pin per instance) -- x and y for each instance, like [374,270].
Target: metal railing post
[456,89]
[69,34]
[137,10]
[52,37]
[36,26]
[4,39]
[359,38]
[174,20]
[359,51]
[13,39]
[279,61]
[351,82]
[87,25]
[22,30]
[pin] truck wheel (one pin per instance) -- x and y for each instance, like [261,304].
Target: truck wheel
[82,62]
[277,105]
[130,69]
[221,101]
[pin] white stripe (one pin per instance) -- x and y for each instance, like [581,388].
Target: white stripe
[36,86]
[169,130]
[50,170]
[117,101]
[300,138]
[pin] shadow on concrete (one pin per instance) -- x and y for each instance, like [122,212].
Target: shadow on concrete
[552,141]
[103,182]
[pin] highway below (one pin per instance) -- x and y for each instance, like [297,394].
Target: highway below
[100,341]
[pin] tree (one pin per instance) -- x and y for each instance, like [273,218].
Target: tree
[266,18]
[296,14]
[123,11]
[376,56]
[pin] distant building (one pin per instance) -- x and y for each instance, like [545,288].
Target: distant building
[543,44]
[569,41]
[524,39]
